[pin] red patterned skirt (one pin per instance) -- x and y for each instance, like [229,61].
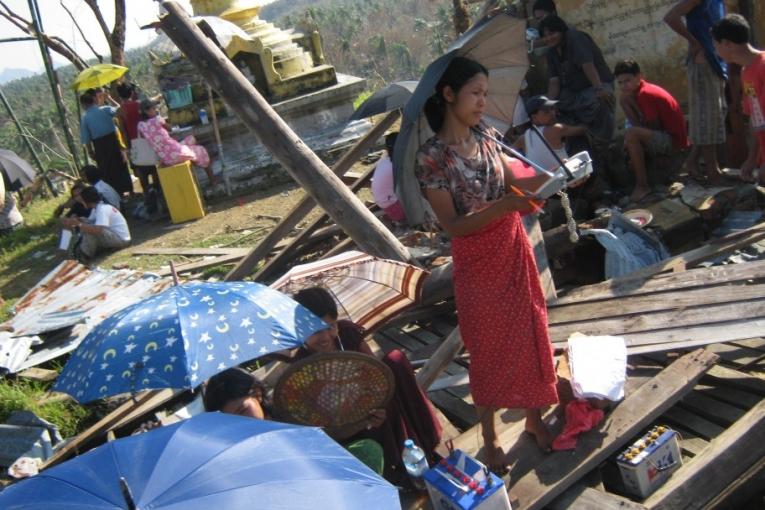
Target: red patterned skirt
[503,317]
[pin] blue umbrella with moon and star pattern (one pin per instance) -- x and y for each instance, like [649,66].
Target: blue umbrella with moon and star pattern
[182,336]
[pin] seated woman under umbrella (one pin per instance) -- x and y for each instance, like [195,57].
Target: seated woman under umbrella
[409,414]
[237,391]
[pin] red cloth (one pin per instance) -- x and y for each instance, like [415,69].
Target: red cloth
[753,82]
[131,115]
[580,417]
[503,317]
[657,106]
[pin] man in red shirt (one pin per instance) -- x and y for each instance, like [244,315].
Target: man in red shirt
[656,122]
[731,40]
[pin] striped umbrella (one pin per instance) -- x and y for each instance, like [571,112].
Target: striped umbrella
[368,290]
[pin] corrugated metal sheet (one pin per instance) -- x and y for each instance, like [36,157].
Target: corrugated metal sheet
[70,295]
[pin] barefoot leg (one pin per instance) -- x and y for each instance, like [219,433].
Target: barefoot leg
[537,428]
[712,168]
[495,455]
[692,163]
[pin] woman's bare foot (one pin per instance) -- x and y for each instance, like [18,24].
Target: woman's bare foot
[537,428]
[495,457]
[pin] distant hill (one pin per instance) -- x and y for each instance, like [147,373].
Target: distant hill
[30,98]
[380,40]
[11,74]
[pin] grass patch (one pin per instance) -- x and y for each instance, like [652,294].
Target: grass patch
[24,394]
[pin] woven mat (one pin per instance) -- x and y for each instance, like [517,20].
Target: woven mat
[332,389]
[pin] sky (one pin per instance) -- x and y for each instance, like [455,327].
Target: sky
[55,21]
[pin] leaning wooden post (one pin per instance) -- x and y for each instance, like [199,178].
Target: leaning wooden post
[297,158]
[301,210]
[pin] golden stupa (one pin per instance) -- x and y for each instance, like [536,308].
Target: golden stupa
[281,63]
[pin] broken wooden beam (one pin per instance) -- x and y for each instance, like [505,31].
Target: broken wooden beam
[296,157]
[306,205]
[281,258]
[559,470]
[116,418]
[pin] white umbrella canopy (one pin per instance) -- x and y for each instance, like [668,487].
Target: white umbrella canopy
[19,172]
[368,290]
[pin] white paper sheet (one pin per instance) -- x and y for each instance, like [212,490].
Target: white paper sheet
[598,366]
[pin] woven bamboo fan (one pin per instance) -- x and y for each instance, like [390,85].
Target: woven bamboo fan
[332,389]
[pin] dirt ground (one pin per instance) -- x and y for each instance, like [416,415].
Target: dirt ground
[239,221]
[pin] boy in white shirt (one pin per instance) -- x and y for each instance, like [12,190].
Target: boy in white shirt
[541,111]
[105,228]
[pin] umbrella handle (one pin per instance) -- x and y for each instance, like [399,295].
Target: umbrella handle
[125,490]
[523,158]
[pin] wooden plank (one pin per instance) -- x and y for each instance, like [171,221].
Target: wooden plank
[705,476]
[734,353]
[201,264]
[198,252]
[642,303]
[445,353]
[581,497]
[702,427]
[102,426]
[534,231]
[631,285]
[306,205]
[662,321]
[560,470]
[281,258]
[743,491]
[713,410]
[735,397]
[38,374]
[693,336]
[736,379]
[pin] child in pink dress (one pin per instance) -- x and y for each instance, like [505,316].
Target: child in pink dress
[170,151]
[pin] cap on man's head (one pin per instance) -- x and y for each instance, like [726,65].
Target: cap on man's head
[147,103]
[536,103]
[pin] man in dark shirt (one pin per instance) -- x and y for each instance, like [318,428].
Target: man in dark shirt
[579,78]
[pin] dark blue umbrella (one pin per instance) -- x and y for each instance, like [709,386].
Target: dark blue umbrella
[213,460]
[390,97]
[182,336]
[499,43]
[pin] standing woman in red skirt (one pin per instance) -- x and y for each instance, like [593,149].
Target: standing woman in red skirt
[500,304]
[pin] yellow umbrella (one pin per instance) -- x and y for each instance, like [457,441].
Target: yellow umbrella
[98,75]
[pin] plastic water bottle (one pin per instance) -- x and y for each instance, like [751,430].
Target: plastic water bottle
[415,463]
[203,116]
